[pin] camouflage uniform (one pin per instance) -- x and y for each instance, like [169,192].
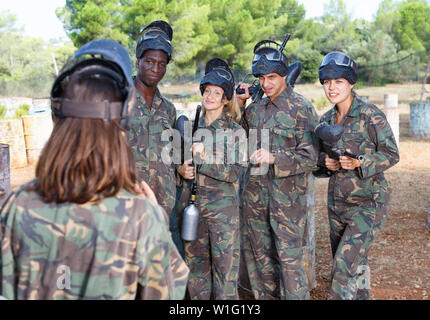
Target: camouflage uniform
[119,248]
[213,258]
[358,199]
[275,204]
[145,140]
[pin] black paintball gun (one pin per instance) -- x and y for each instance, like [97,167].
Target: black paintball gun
[191,213]
[180,126]
[329,136]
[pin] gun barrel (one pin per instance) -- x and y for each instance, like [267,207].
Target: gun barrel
[293,72]
[284,43]
[197,118]
[353,155]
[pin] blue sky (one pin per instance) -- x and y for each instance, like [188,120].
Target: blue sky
[39,19]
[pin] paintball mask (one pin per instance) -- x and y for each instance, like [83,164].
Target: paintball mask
[218,73]
[269,58]
[337,65]
[156,36]
[104,59]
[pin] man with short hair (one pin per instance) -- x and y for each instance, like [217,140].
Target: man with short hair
[274,203]
[154,113]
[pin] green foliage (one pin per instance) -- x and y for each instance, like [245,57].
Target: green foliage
[310,58]
[202,29]
[3,111]
[338,32]
[26,63]
[392,48]
[376,55]
[88,20]
[321,103]
[63,54]
[22,110]
[413,28]
[387,16]
[229,29]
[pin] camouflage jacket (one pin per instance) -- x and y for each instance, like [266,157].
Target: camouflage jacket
[119,248]
[145,138]
[221,170]
[291,120]
[366,132]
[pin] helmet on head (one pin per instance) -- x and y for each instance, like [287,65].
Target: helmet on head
[268,58]
[156,36]
[104,59]
[218,73]
[337,65]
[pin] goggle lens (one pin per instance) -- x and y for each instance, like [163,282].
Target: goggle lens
[339,59]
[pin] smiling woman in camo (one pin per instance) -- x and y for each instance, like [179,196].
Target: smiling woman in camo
[358,194]
[213,258]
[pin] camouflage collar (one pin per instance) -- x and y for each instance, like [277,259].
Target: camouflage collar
[280,100]
[354,110]
[219,123]
[158,99]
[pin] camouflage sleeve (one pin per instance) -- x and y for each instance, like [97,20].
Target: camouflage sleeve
[7,266]
[387,152]
[166,275]
[303,157]
[245,119]
[177,148]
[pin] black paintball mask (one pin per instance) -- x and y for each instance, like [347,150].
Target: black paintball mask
[156,36]
[102,59]
[337,65]
[269,58]
[218,73]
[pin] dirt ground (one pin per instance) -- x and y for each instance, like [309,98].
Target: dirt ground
[399,259]
[400,256]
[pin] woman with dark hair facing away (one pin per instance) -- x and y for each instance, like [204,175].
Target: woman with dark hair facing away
[213,257]
[84,229]
[358,145]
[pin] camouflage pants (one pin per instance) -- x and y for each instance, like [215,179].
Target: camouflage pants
[213,258]
[352,232]
[273,244]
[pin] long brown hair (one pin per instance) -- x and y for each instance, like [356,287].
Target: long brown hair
[232,110]
[86,159]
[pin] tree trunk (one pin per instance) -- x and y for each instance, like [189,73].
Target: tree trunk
[202,66]
[12,67]
[423,90]
[230,62]
[55,63]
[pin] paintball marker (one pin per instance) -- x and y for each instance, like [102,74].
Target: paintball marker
[191,213]
[330,135]
[180,126]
